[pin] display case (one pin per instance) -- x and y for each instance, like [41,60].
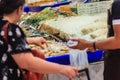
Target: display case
[65,59]
[64,20]
[59,21]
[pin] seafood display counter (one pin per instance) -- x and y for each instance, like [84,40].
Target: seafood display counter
[65,59]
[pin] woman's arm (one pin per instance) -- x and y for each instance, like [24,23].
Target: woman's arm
[35,64]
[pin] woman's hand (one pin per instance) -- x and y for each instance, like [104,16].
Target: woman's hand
[37,41]
[40,41]
[69,71]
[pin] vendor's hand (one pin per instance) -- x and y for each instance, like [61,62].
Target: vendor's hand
[91,49]
[40,41]
[82,44]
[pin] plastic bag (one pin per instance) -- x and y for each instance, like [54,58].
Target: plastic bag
[79,59]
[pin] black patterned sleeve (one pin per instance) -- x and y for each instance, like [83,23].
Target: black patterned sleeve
[17,40]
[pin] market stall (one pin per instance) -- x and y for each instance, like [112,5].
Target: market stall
[58,21]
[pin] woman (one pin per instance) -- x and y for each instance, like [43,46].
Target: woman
[111,44]
[16,54]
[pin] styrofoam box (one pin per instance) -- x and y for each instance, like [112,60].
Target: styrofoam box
[93,8]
